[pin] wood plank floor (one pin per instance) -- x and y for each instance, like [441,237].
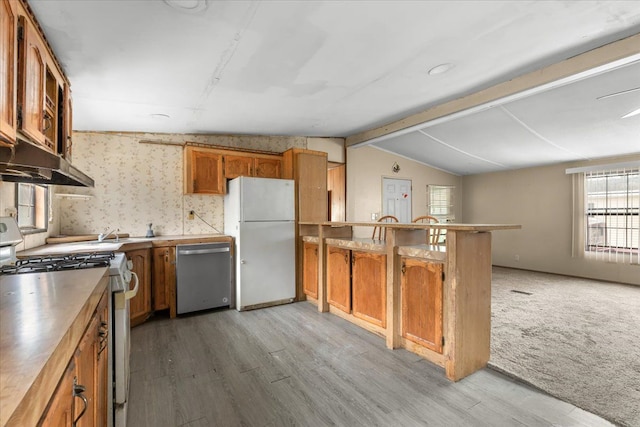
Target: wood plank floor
[292,366]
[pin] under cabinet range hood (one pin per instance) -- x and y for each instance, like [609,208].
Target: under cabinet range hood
[26,162]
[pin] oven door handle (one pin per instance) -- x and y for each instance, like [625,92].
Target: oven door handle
[133,292]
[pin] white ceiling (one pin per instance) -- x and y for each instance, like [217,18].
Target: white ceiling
[336,68]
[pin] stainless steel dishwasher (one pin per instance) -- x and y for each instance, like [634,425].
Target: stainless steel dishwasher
[203,276]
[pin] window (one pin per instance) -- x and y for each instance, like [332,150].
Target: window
[33,207]
[612,221]
[440,202]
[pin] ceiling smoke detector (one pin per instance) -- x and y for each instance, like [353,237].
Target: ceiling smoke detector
[440,69]
[160,116]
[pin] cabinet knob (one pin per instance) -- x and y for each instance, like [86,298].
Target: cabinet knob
[243,261]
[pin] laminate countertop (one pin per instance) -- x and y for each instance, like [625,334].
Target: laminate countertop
[42,319]
[122,245]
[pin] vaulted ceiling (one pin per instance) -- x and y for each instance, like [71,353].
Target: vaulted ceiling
[336,68]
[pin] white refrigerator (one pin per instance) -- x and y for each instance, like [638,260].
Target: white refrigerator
[259,214]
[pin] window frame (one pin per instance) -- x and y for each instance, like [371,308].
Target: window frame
[450,215]
[40,207]
[616,211]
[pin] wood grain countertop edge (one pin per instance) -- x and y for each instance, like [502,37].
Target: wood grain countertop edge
[34,402]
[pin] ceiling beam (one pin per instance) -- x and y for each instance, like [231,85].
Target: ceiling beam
[601,56]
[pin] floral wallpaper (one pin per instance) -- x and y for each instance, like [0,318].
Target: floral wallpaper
[137,183]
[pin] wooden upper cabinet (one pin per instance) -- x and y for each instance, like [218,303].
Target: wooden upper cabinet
[369,284]
[235,166]
[65,142]
[31,82]
[203,171]
[421,290]
[339,278]
[310,269]
[8,75]
[267,167]
[309,169]
[248,165]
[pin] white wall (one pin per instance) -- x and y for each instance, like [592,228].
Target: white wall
[366,166]
[540,199]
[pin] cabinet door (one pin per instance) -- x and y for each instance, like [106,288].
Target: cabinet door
[8,62]
[235,166]
[369,287]
[164,278]
[65,143]
[312,187]
[204,172]
[86,358]
[140,305]
[339,278]
[102,379]
[310,269]
[31,78]
[421,290]
[267,168]
[59,412]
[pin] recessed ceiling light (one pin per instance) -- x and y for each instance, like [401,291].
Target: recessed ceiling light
[160,116]
[189,6]
[632,113]
[439,69]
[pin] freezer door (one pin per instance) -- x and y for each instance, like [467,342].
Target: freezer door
[266,263]
[266,199]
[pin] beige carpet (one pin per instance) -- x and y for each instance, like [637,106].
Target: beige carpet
[576,339]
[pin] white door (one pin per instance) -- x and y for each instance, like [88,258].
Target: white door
[396,198]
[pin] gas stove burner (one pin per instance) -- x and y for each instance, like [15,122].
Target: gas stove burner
[59,263]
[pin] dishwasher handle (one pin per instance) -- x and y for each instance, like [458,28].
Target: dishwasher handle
[202,251]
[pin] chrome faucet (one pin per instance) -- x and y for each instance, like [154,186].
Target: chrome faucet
[103,236]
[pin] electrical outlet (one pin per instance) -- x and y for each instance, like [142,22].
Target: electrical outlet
[12,212]
[191,215]
[517,257]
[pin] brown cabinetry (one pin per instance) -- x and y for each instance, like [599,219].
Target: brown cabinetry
[339,278]
[203,171]
[207,169]
[309,171]
[140,305]
[267,167]
[60,410]
[164,278]
[369,278]
[8,64]
[35,102]
[80,399]
[31,81]
[421,294]
[310,269]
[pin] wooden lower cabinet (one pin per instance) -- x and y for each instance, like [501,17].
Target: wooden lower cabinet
[140,305]
[310,269]
[60,411]
[369,279]
[85,376]
[421,294]
[339,278]
[164,278]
